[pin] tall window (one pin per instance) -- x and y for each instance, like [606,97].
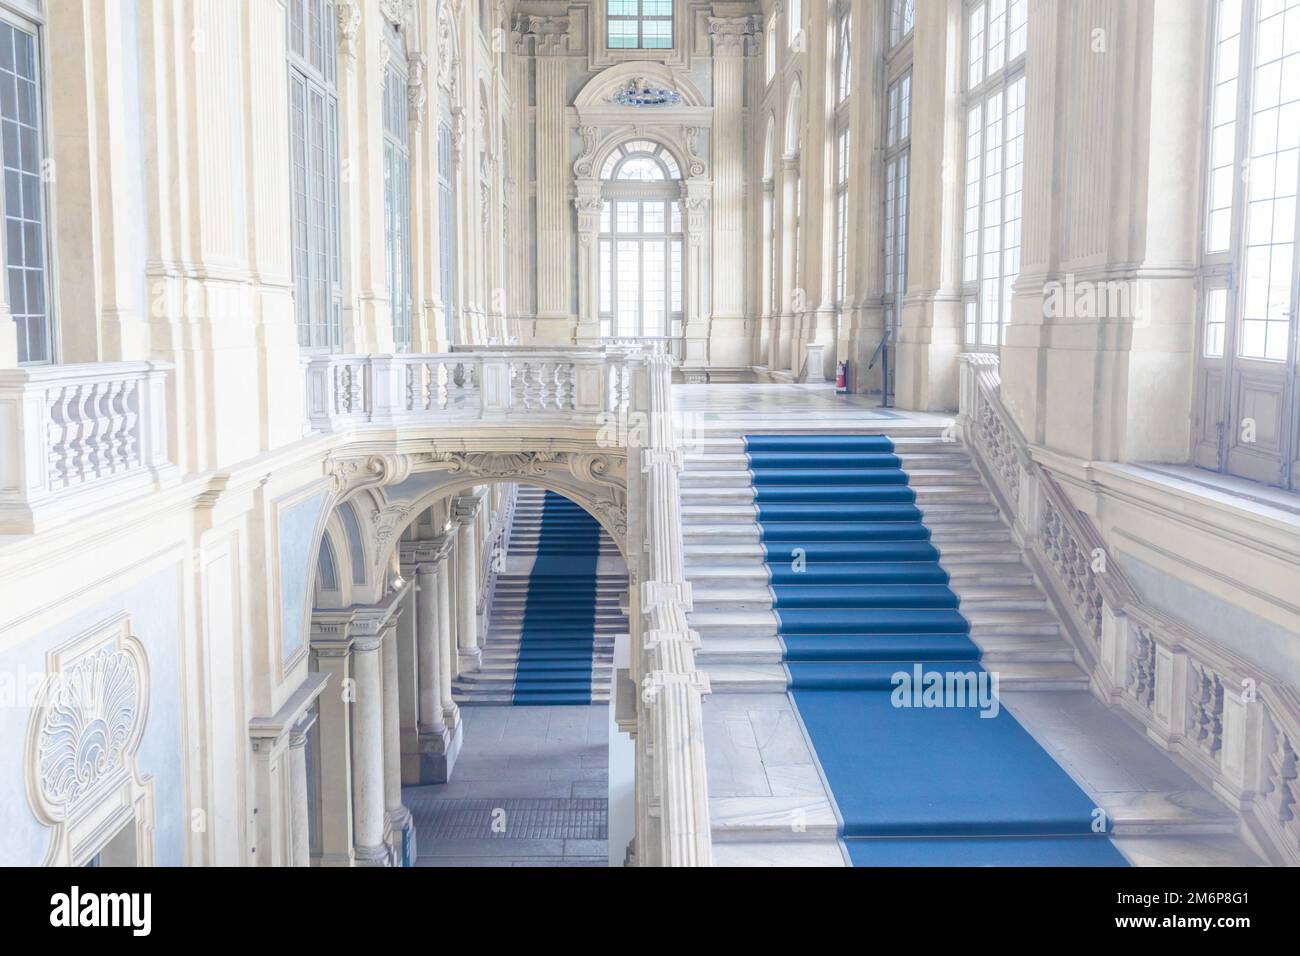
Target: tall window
[23,151]
[639,24]
[446,230]
[314,173]
[898,138]
[841,212]
[902,17]
[1247,415]
[994,173]
[843,52]
[397,201]
[769,48]
[796,21]
[641,243]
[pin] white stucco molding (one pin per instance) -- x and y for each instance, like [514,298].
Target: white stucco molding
[83,738]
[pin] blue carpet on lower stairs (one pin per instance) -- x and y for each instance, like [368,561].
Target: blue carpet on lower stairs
[557,640]
[920,779]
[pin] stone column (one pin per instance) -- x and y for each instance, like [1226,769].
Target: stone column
[300,811]
[438,739]
[929,335]
[695,324]
[408,681]
[368,746]
[464,511]
[863,320]
[588,202]
[728,340]
[333,649]
[814,318]
[397,818]
[783,320]
[554,261]
[446,638]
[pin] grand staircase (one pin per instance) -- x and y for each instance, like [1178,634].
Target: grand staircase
[555,567]
[770,803]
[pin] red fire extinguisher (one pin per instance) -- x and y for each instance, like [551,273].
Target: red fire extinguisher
[841,377]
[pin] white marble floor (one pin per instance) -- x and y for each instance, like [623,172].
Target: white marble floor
[540,773]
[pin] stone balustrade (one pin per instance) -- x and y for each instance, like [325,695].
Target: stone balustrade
[1224,718]
[672,792]
[69,434]
[491,384]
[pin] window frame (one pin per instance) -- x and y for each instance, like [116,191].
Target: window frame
[641,19]
[29,18]
[996,83]
[397,204]
[325,333]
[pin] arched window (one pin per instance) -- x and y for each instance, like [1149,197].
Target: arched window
[641,243]
[902,17]
[843,52]
[314,173]
[1247,420]
[795,22]
[639,24]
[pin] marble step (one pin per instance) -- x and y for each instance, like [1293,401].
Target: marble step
[729,678]
[739,478]
[955,553]
[801,819]
[761,622]
[910,460]
[705,574]
[934,512]
[718,442]
[743,495]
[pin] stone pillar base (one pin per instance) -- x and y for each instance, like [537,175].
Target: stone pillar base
[373,855]
[438,753]
[469,661]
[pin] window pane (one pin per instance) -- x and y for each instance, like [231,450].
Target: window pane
[24,199]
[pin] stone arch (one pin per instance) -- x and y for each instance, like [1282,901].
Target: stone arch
[388,492]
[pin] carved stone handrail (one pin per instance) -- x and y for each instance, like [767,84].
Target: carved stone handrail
[569,386]
[672,793]
[69,434]
[1225,719]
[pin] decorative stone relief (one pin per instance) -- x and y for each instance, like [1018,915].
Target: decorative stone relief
[388,520]
[640,92]
[82,744]
[694,162]
[416,93]
[583,166]
[348,14]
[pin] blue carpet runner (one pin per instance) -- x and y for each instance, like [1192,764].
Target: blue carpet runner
[558,635]
[921,778]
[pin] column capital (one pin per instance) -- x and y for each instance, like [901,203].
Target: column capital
[426,552]
[294,717]
[730,35]
[465,508]
[550,34]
